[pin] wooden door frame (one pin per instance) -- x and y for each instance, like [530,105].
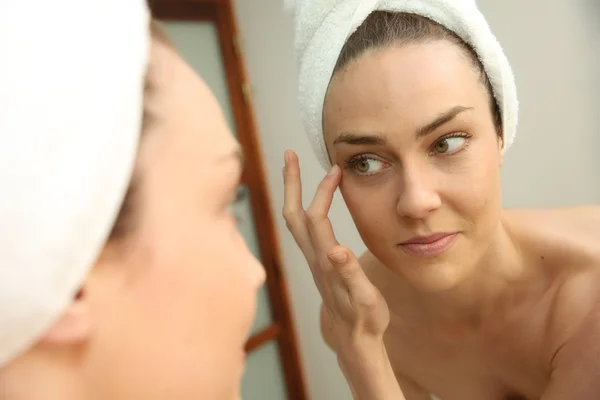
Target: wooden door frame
[283,330]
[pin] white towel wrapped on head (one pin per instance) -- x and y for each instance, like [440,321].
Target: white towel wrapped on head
[71,95]
[322,27]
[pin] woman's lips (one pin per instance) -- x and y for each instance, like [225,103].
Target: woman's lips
[429,246]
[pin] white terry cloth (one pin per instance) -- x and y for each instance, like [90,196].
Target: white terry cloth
[323,26]
[71,94]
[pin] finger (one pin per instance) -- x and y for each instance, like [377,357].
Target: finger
[293,212]
[319,225]
[350,275]
[292,200]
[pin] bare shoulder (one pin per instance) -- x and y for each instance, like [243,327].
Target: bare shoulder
[575,234]
[568,240]
[575,329]
[573,231]
[584,218]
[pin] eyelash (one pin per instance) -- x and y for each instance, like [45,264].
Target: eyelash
[463,135]
[354,161]
[239,196]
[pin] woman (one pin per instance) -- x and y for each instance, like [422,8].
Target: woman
[119,277]
[174,262]
[468,300]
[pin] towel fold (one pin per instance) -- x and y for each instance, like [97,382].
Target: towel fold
[323,26]
[71,95]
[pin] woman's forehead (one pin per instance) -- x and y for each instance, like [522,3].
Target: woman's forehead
[418,81]
[405,67]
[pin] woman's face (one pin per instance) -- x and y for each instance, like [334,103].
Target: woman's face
[412,128]
[172,309]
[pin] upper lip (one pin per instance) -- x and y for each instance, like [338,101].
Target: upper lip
[428,239]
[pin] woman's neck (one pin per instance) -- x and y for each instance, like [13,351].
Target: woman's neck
[32,377]
[468,305]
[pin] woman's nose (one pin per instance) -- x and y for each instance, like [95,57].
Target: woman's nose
[418,196]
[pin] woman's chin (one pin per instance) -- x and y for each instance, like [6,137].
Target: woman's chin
[431,276]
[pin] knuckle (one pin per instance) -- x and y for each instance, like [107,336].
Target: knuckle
[289,215]
[338,249]
[368,300]
[313,215]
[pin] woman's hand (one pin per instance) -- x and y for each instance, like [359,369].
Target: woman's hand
[358,312]
[356,307]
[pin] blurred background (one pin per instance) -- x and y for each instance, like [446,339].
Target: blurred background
[243,50]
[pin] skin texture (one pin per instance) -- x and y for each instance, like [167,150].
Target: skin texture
[358,312]
[165,314]
[509,310]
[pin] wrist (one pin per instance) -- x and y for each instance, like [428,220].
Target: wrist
[368,370]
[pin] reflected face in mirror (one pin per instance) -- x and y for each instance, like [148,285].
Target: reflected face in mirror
[412,128]
[172,312]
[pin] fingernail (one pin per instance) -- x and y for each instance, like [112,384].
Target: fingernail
[333,170]
[339,258]
[286,157]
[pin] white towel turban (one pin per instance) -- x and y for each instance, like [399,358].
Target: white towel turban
[71,95]
[322,27]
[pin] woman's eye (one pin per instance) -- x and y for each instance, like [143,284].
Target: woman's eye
[449,145]
[367,166]
[233,208]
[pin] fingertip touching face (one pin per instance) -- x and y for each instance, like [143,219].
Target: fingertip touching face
[412,128]
[174,296]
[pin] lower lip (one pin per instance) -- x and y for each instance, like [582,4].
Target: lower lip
[432,249]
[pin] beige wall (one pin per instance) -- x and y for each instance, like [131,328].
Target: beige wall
[554,47]
[555,51]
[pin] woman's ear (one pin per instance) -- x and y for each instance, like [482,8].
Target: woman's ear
[73,326]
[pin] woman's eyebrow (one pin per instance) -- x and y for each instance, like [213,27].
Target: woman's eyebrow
[442,119]
[355,138]
[236,154]
[360,139]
